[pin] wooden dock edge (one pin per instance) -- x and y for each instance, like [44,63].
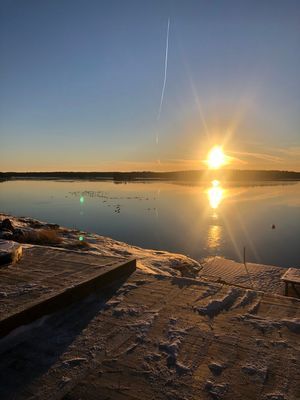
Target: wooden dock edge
[68,296]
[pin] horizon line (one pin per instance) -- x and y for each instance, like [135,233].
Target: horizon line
[147,171]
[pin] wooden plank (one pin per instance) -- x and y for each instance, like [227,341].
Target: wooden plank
[28,297]
[292,275]
[48,305]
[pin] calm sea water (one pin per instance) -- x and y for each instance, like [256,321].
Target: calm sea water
[196,220]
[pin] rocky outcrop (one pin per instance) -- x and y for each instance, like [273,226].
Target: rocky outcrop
[10,252]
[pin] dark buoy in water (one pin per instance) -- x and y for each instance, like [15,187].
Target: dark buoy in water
[273,226]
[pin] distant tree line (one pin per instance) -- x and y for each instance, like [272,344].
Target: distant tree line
[226,174]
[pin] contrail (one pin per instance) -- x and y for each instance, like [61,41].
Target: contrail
[165,76]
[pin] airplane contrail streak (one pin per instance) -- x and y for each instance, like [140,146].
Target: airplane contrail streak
[165,76]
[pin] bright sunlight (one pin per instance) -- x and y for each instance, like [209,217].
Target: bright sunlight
[216,158]
[215,194]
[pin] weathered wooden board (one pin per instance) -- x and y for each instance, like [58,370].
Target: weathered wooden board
[291,278]
[292,275]
[46,279]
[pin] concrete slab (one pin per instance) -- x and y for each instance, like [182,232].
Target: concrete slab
[159,337]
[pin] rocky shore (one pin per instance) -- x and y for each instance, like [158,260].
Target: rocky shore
[29,231]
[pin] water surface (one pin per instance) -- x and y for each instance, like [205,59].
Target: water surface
[196,220]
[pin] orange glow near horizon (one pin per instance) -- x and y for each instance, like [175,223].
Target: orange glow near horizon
[216,158]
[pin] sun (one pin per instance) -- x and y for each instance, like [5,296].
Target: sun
[216,158]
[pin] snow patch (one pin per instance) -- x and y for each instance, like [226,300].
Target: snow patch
[143,325]
[74,361]
[215,307]
[171,347]
[248,298]
[152,357]
[253,310]
[217,391]
[121,311]
[256,373]
[266,325]
[262,324]
[292,324]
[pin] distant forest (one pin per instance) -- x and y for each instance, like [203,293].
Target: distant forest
[226,174]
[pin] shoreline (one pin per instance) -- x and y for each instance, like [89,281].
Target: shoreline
[188,175]
[217,269]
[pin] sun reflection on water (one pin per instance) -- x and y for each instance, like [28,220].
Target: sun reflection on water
[214,236]
[215,194]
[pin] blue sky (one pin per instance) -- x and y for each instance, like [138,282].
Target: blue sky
[81,83]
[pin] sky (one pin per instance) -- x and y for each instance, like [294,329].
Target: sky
[81,84]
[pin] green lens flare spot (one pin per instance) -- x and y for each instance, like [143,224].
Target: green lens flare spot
[81,199]
[81,238]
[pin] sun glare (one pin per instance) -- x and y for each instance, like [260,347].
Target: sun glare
[215,194]
[216,158]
